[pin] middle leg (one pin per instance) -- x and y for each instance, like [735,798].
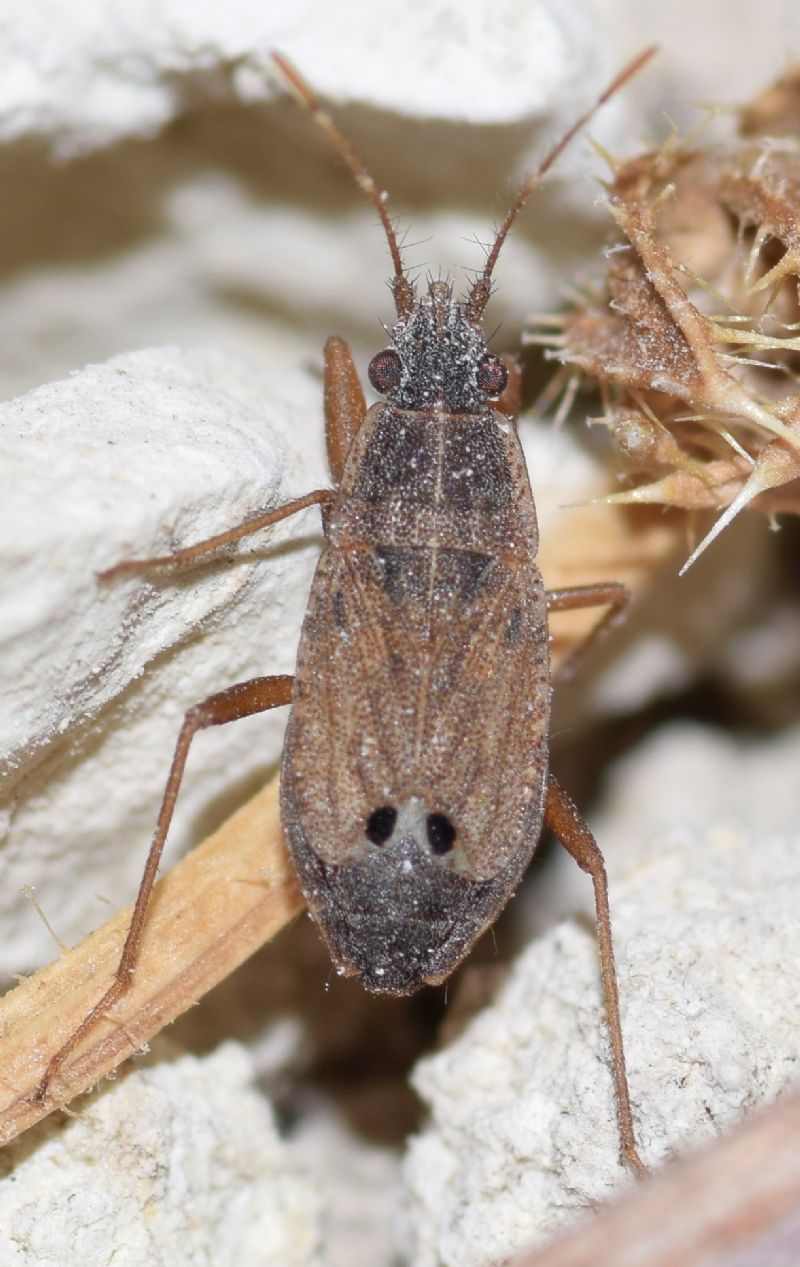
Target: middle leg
[611,594]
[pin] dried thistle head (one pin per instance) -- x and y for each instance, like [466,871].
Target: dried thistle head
[694,335]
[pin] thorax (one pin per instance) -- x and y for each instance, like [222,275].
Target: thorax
[431,479]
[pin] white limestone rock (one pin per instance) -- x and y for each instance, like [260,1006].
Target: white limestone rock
[129,459]
[179,1163]
[523,1133]
[238,228]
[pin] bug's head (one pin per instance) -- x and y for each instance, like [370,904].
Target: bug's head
[438,357]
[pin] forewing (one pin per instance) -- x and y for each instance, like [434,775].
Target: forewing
[422,673]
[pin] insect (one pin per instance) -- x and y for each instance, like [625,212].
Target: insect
[414,780]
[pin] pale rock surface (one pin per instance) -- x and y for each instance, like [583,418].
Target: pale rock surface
[92,73]
[124,460]
[359,1188]
[179,1163]
[523,1134]
[236,227]
[708,53]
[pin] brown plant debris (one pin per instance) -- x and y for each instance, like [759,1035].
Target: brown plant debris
[694,333]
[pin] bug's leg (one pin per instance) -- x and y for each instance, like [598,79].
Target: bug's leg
[319,497]
[238,701]
[565,822]
[611,594]
[511,399]
[345,405]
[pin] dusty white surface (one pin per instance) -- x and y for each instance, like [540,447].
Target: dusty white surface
[124,460]
[523,1135]
[180,1163]
[709,52]
[91,73]
[359,1188]
[237,228]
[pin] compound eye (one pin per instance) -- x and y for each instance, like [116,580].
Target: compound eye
[385,371]
[492,375]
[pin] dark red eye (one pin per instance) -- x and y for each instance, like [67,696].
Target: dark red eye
[492,375]
[385,370]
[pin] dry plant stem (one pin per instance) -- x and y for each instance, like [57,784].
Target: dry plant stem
[732,1204]
[210,913]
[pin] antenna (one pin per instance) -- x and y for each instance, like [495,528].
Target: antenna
[481,290]
[402,289]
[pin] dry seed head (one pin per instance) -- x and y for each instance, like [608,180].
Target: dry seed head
[695,336]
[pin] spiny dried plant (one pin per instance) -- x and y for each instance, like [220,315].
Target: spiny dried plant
[694,332]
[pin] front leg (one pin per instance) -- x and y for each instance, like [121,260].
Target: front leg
[320,497]
[344,412]
[345,405]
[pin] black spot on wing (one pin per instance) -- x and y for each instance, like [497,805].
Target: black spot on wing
[441,833]
[380,824]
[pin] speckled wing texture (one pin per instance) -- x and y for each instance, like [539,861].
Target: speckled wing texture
[422,684]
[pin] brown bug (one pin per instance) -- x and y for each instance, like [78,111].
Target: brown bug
[415,776]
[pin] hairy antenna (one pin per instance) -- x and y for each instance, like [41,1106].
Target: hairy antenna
[402,289]
[479,294]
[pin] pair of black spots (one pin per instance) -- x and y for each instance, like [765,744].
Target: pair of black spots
[414,780]
[440,832]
